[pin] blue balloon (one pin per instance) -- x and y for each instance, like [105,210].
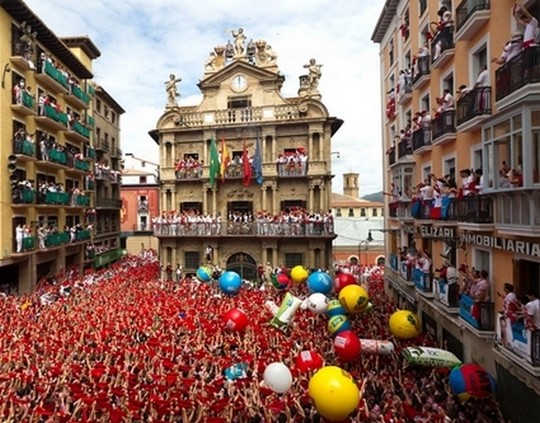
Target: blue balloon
[230,282]
[204,274]
[320,282]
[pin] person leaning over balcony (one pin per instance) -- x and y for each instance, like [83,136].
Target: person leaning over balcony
[524,17]
[510,301]
[479,181]
[511,49]
[532,311]
[515,177]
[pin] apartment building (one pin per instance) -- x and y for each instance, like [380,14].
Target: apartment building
[489,126]
[48,155]
[269,197]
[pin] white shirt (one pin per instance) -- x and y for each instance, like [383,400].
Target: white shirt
[529,35]
[533,310]
[482,80]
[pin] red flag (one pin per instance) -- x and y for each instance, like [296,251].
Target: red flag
[246,165]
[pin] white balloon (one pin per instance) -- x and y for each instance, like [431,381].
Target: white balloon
[278,377]
[317,303]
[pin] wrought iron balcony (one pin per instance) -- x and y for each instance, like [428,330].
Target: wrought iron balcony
[479,315]
[422,69]
[443,125]
[473,104]
[442,47]
[421,138]
[513,336]
[522,70]
[470,16]
[405,148]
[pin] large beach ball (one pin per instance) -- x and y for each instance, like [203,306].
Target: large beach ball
[278,377]
[344,279]
[347,345]
[235,320]
[320,282]
[308,360]
[334,393]
[230,282]
[299,274]
[317,303]
[204,274]
[471,381]
[404,324]
[354,298]
[335,308]
[338,324]
[280,280]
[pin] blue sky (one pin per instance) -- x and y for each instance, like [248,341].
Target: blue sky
[143,41]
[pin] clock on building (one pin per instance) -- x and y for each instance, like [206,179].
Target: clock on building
[239,83]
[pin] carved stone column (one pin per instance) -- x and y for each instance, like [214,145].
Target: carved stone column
[310,205]
[214,200]
[205,189]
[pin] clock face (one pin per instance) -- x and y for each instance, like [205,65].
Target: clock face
[239,83]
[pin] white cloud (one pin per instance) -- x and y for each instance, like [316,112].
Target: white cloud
[142,42]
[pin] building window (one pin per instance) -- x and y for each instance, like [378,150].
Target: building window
[351,212]
[142,179]
[113,117]
[425,103]
[374,212]
[449,167]
[239,109]
[403,180]
[293,259]
[423,6]
[192,259]
[362,212]
[98,106]
[338,212]
[391,52]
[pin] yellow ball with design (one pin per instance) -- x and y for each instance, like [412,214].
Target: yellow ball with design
[334,393]
[299,274]
[354,298]
[404,324]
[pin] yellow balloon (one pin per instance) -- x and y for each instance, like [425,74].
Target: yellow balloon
[334,393]
[299,274]
[404,324]
[354,299]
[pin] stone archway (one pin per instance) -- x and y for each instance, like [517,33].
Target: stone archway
[244,265]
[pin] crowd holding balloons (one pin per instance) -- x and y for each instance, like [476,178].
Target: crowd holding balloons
[123,345]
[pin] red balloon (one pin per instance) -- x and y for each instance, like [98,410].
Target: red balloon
[235,320]
[308,360]
[343,279]
[283,279]
[347,345]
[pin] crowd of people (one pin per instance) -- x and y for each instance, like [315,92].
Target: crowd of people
[104,171]
[188,167]
[123,345]
[290,221]
[292,163]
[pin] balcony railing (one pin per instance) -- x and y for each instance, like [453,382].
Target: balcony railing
[51,112]
[192,173]
[55,74]
[54,198]
[444,40]
[58,157]
[405,148]
[444,124]
[80,129]
[90,185]
[28,244]
[82,200]
[109,203]
[81,165]
[83,235]
[447,294]
[21,195]
[522,70]
[392,156]
[393,262]
[421,138]
[292,169]
[27,100]
[513,335]
[470,209]
[518,209]
[90,153]
[467,8]
[103,145]
[477,314]
[80,94]
[24,147]
[406,272]
[244,229]
[90,121]
[55,240]
[423,281]
[473,104]
[422,68]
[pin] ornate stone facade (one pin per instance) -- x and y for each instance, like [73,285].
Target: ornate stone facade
[279,215]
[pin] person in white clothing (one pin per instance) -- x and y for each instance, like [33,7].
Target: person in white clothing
[532,310]
[19,234]
[524,17]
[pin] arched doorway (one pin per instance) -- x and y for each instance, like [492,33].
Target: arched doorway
[244,265]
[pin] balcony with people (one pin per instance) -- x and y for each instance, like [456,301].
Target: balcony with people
[404,87]
[443,126]
[23,101]
[422,275]
[76,96]
[24,240]
[475,306]
[446,286]
[51,74]
[390,110]
[188,168]
[75,129]
[473,106]
[293,222]
[519,64]
[421,132]
[23,144]
[471,15]
[50,113]
[518,327]
[292,162]
[23,193]
[442,43]
[421,68]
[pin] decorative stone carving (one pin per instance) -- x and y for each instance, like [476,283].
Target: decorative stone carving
[172,91]
[240,193]
[309,84]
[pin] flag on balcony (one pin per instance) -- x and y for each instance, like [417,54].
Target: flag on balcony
[246,166]
[225,159]
[257,162]
[214,162]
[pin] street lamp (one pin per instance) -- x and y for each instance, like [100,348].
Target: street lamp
[366,243]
